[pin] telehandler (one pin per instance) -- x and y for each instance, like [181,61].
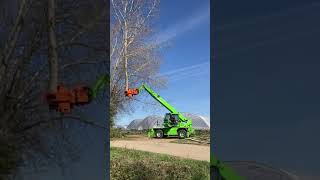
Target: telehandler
[174,123]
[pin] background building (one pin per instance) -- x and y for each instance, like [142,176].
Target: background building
[198,122]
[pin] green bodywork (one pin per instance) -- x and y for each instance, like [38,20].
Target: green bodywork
[169,129]
[100,84]
[221,171]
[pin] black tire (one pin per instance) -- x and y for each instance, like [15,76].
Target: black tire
[159,133]
[182,133]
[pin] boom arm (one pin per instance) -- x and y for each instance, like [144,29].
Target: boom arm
[158,98]
[100,84]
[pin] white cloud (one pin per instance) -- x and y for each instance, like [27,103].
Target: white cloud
[191,22]
[188,71]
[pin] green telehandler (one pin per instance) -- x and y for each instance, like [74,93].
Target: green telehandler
[174,123]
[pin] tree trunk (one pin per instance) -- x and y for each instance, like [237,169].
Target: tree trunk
[52,48]
[125,51]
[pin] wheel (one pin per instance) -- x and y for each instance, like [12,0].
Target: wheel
[159,133]
[182,133]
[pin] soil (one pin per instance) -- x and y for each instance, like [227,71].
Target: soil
[163,146]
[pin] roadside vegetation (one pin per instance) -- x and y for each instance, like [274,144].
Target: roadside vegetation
[133,165]
[116,133]
[201,137]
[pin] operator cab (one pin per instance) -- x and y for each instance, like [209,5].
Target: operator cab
[171,119]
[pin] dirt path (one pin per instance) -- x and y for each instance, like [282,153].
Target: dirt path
[164,146]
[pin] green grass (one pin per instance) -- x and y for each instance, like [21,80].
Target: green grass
[139,165]
[121,133]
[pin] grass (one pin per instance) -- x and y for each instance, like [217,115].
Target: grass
[122,133]
[128,164]
[201,137]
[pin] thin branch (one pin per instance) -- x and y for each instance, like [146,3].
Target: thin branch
[36,124]
[82,62]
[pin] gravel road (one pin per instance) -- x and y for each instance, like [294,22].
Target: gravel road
[164,146]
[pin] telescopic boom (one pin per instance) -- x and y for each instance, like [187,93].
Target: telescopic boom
[157,97]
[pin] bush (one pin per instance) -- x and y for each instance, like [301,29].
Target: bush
[117,133]
[121,133]
[202,132]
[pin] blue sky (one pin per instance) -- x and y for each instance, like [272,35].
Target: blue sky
[186,62]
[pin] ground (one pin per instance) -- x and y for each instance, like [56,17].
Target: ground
[164,146]
[134,156]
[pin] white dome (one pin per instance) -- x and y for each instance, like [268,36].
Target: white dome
[198,122]
[134,124]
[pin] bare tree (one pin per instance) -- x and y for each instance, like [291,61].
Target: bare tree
[52,48]
[33,34]
[135,56]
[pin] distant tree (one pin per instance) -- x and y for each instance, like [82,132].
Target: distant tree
[43,43]
[135,55]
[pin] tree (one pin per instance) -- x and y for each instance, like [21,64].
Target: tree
[52,48]
[66,36]
[135,55]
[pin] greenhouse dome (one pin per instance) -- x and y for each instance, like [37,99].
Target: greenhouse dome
[198,122]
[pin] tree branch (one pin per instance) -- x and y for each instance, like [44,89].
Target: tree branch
[36,124]
[82,62]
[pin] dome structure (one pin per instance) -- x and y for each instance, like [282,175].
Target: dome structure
[134,124]
[198,122]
